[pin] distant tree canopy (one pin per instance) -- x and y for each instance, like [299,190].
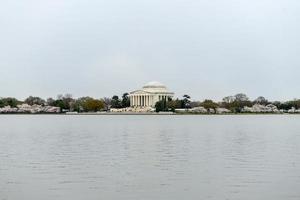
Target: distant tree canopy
[207,104]
[60,103]
[34,100]
[161,106]
[236,103]
[83,104]
[93,105]
[229,99]
[50,101]
[261,100]
[241,97]
[120,103]
[116,102]
[66,102]
[171,105]
[288,105]
[9,101]
[174,104]
[186,101]
[89,104]
[107,103]
[125,100]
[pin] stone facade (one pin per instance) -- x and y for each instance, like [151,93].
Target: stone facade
[149,95]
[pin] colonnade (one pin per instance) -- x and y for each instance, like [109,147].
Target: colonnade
[146,100]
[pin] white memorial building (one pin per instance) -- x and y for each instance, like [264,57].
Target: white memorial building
[151,93]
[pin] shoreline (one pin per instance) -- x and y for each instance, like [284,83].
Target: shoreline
[160,114]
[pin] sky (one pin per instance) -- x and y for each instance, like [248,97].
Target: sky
[208,49]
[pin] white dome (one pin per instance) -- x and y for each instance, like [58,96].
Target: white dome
[156,87]
[154,84]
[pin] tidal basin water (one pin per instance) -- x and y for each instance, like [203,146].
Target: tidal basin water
[45,157]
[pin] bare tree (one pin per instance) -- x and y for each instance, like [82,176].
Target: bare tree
[261,100]
[241,97]
[229,99]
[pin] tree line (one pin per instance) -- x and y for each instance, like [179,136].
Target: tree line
[233,103]
[88,104]
[68,103]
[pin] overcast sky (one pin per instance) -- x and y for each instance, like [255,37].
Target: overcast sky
[205,48]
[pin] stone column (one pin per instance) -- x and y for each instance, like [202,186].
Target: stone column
[134,97]
[147,100]
[133,100]
[136,100]
[151,100]
[139,100]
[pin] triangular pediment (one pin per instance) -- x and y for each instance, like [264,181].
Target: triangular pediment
[136,92]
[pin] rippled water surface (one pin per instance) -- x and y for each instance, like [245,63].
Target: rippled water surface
[149,157]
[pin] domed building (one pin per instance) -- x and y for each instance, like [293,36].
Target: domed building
[151,93]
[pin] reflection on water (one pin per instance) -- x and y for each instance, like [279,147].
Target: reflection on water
[149,157]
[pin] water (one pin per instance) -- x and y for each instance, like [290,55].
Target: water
[46,157]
